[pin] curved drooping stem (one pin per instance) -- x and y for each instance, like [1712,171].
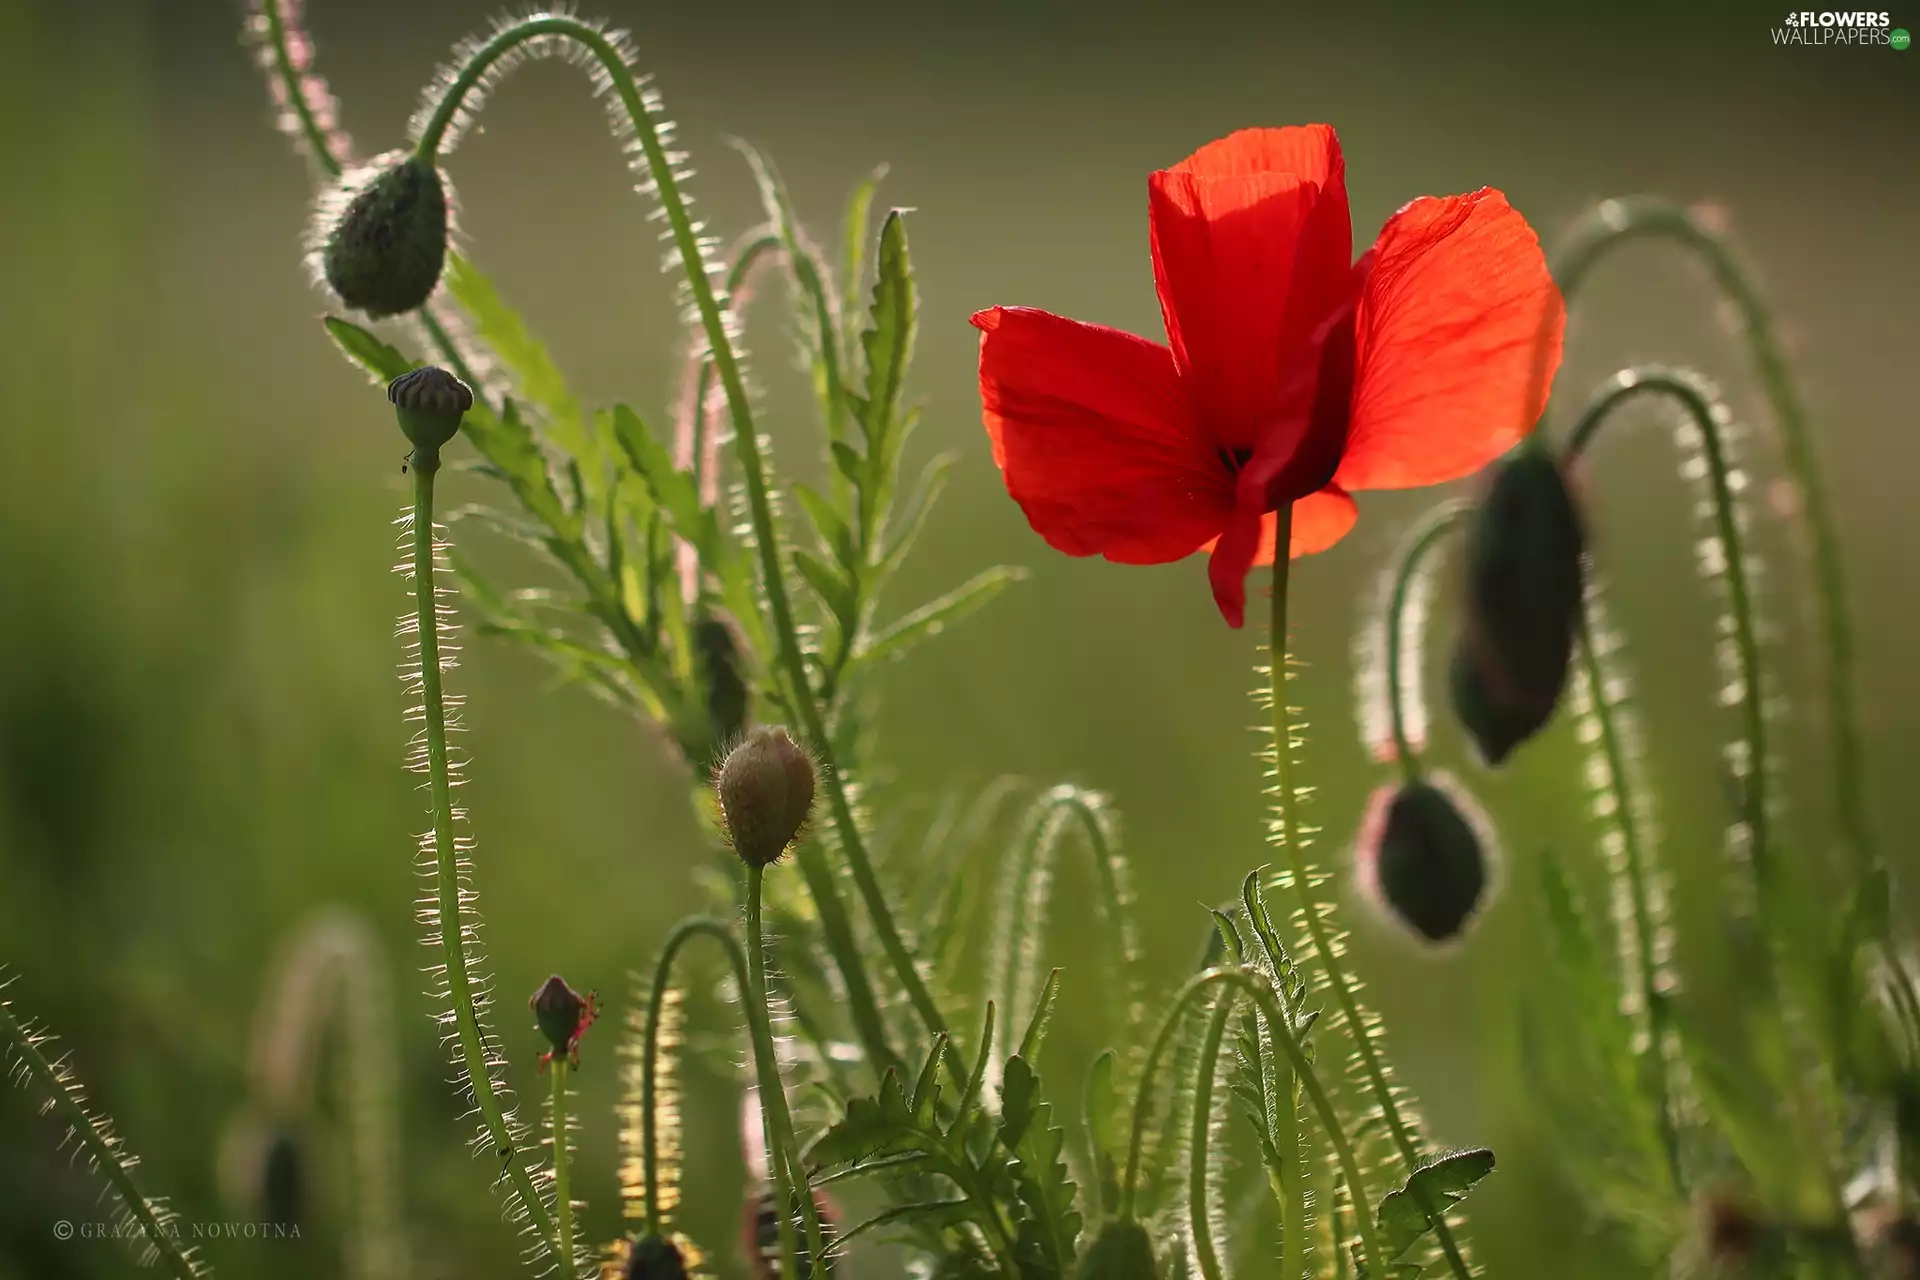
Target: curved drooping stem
[1253,986]
[1425,537]
[1200,1143]
[449,908]
[1708,417]
[1616,222]
[1325,947]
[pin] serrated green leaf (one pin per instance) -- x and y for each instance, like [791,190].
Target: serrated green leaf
[382,362]
[926,1089]
[833,531]
[508,444]
[887,347]
[1050,1225]
[1407,1215]
[935,616]
[1036,1031]
[853,238]
[835,592]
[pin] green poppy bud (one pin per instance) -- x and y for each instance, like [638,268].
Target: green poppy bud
[717,656]
[383,235]
[653,1257]
[1526,584]
[1422,860]
[429,402]
[1122,1251]
[766,794]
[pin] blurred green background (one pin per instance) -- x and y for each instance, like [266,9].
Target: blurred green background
[199,718]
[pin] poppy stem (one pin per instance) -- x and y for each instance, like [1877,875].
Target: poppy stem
[1614,223]
[682,933]
[476,1062]
[1255,987]
[1400,675]
[1200,1141]
[1299,877]
[562,1186]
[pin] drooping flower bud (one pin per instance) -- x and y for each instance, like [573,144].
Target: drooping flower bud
[654,1257]
[1122,1251]
[429,402]
[282,1181]
[383,235]
[563,1016]
[717,656]
[766,793]
[1526,582]
[1423,860]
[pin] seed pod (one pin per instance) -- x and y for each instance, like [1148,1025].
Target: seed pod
[653,1257]
[766,793]
[429,402]
[1122,1251]
[1422,860]
[383,235]
[560,1012]
[1526,582]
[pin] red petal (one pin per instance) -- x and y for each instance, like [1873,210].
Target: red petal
[1319,520]
[1093,432]
[1456,315]
[1251,249]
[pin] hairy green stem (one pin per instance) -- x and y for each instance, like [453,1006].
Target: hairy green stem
[112,1163]
[562,1188]
[1200,1142]
[1256,987]
[296,95]
[1703,411]
[473,1055]
[783,1150]
[1616,222]
[1434,526]
[677,938]
[1300,879]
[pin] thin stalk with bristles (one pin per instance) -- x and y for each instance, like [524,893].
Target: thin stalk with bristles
[1617,222]
[783,1149]
[1200,1163]
[562,1176]
[1425,538]
[1299,878]
[1261,992]
[149,1222]
[449,911]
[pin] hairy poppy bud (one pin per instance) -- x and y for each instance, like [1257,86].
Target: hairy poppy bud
[383,237]
[429,402]
[718,659]
[654,1257]
[1122,1251]
[766,793]
[563,1016]
[1525,589]
[1422,859]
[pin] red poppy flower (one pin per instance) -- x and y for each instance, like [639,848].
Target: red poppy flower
[1292,374]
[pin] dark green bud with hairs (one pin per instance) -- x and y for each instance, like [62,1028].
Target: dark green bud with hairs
[383,236]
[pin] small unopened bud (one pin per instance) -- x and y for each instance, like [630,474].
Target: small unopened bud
[429,402]
[383,235]
[282,1181]
[718,657]
[766,793]
[563,1016]
[1422,860]
[654,1257]
[1526,582]
[1730,1234]
[1122,1251]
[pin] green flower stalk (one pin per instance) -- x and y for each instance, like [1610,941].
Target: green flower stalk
[429,403]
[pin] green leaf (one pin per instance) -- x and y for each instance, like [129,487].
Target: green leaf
[926,1090]
[1050,1224]
[1101,1108]
[887,346]
[853,246]
[508,443]
[904,529]
[935,616]
[835,592]
[381,361]
[1407,1215]
[1042,1014]
[930,1215]
[977,1076]
[849,463]
[833,531]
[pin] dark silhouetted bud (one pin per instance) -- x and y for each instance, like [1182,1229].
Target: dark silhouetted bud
[718,658]
[383,235]
[1122,1251]
[766,792]
[1422,859]
[282,1181]
[654,1257]
[1525,589]
[429,402]
[563,1016]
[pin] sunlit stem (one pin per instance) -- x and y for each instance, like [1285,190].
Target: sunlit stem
[294,91]
[562,1178]
[1256,987]
[677,938]
[473,1055]
[1702,410]
[1300,879]
[783,1152]
[1616,222]
[1200,1143]
[1426,536]
[792,659]
[23,1047]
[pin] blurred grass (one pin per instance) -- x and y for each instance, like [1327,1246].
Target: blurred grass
[199,723]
